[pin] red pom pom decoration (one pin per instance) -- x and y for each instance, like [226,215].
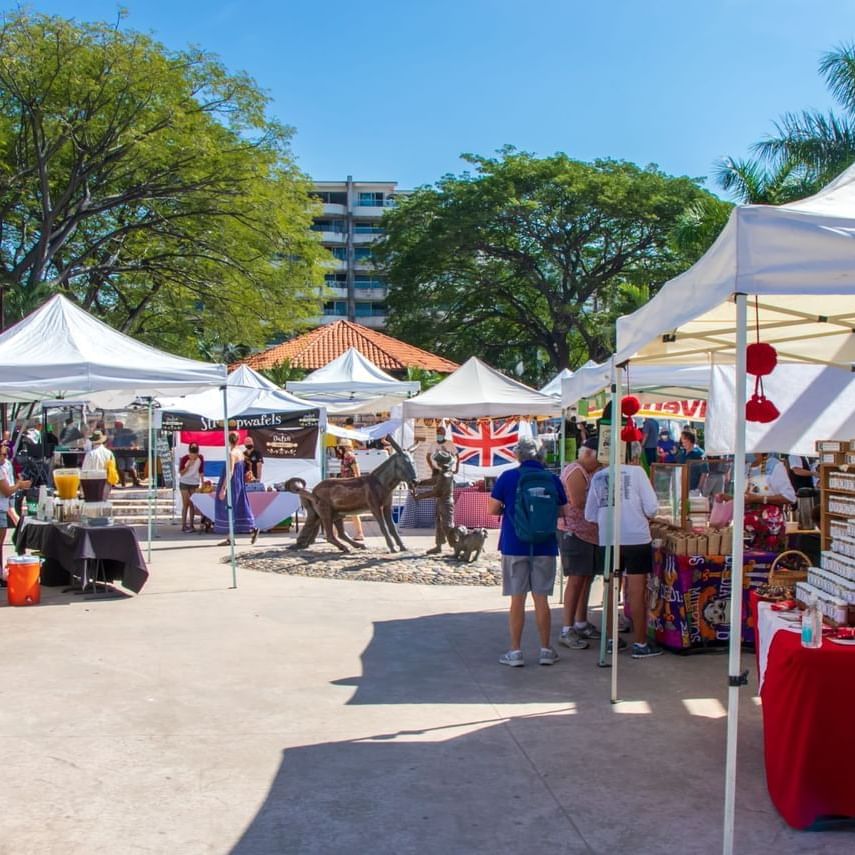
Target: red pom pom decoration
[630,433]
[760,359]
[630,405]
[760,409]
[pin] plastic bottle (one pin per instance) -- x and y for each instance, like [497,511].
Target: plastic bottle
[812,625]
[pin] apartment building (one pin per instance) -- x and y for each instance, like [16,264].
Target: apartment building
[348,225]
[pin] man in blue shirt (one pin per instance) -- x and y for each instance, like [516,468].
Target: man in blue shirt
[525,566]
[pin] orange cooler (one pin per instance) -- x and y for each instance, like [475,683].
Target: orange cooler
[23,582]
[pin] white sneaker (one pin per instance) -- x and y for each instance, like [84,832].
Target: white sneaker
[571,640]
[513,658]
[548,656]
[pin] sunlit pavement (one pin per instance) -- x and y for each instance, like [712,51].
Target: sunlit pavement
[312,715]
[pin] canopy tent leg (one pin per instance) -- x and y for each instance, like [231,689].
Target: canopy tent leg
[735,678]
[611,559]
[151,477]
[614,487]
[230,511]
[561,462]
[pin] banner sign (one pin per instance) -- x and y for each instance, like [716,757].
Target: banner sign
[164,452]
[691,410]
[277,436]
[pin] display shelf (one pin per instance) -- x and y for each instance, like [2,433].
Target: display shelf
[826,472]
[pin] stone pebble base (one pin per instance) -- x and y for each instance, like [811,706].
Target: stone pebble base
[374,565]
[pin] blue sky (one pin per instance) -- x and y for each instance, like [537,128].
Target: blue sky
[398,89]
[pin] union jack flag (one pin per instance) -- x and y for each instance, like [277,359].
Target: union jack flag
[488,443]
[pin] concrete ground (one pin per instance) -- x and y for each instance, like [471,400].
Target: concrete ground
[298,715]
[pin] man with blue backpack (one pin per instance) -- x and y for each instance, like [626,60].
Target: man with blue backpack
[529,500]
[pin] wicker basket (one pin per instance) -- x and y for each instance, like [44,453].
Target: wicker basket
[787,576]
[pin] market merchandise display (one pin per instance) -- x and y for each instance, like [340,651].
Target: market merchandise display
[832,584]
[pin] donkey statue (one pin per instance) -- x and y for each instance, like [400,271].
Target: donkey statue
[332,500]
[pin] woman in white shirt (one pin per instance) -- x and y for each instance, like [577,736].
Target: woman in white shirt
[8,486]
[99,457]
[638,506]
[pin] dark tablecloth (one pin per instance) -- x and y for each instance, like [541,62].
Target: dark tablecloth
[808,696]
[71,545]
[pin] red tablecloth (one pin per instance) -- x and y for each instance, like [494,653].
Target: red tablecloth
[808,702]
[470,509]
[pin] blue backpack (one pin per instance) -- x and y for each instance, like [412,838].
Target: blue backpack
[536,506]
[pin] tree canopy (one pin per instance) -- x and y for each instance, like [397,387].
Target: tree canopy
[149,186]
[529,260]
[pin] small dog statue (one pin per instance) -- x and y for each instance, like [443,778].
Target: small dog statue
[466,541]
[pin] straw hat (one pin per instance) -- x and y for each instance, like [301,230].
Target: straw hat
[97,437]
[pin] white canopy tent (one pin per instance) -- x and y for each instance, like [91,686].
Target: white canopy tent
[476,390]
[248,394]
[62,351]
[553,387]
[674,380]
[789,270]
[351,383]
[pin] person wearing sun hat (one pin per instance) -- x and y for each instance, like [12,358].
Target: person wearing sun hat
[99,456]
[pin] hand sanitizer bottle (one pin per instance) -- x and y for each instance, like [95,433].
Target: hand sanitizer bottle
[812,625]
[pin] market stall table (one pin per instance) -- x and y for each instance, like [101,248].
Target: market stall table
[807,721]
[690,594]
[76,548]
[269,507]
[470,509]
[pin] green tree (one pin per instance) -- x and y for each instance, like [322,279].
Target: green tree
[149,186]
[527,261]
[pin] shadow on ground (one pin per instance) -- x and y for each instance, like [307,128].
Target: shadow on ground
[528,759]
[570,782]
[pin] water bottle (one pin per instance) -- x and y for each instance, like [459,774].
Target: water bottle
[812,625]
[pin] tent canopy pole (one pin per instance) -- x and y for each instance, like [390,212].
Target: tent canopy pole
[735,678]
[230,511]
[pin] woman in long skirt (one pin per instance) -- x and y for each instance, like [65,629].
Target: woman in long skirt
[244,522]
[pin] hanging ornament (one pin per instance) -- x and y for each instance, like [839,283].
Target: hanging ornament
[629,406]
[760,361]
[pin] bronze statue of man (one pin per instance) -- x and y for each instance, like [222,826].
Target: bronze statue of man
[442,490]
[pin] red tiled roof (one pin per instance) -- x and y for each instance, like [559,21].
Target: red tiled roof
[321,346]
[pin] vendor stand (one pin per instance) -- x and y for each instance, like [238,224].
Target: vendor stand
[807,699]
[90,554]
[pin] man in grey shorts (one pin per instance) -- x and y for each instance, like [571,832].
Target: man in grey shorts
[525,566]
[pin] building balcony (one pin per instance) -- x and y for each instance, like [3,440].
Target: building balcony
[363,238]
[375,322]
[332,238]
[334,210]
[371,212]
[370,293]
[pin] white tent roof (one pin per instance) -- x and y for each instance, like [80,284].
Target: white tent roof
[249,378]
[62,350]
[553,387]
[351,377]
[670,380]
[798,259]
[248,393]
[476,390]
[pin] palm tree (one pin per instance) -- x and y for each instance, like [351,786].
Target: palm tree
[808,148]
[751,182]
